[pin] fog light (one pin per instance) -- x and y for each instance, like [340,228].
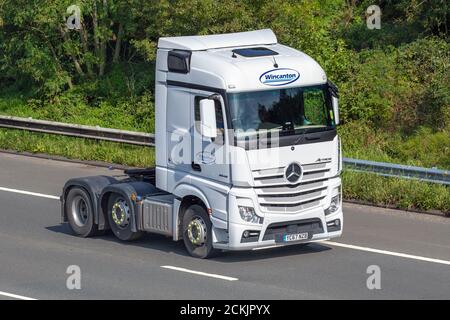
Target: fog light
[250,236]
[336,223]
[248,214]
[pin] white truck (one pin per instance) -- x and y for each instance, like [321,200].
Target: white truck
[247,152]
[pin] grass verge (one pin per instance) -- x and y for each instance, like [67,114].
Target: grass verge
[367,187]
[77,148]
[398,193]
[423,148]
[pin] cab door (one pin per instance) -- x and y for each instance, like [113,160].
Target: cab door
[178,132]
[209,155]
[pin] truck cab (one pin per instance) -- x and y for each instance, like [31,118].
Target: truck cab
[247,152]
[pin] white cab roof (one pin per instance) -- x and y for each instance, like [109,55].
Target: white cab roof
[195,43]
[214,64]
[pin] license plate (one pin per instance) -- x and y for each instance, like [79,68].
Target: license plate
[295,237]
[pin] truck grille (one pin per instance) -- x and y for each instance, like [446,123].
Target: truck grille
[276,195]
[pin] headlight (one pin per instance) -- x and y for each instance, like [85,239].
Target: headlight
[248,214]
[335,203]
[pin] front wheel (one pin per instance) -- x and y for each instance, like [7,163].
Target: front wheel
[197,232]
[119,217]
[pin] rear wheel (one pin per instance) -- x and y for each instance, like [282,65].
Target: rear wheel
[80,213]
[119,217]
[197,232]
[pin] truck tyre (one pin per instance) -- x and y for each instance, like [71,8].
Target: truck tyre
[119,217]
[197,232]
[80,212]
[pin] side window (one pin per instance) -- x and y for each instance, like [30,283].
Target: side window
[219,119]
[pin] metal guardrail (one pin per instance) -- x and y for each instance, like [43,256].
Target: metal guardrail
[76,130]
[147,139]
[399,170]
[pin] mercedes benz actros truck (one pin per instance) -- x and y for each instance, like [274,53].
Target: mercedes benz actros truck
[247,152]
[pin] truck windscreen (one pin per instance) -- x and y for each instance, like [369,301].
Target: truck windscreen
[289,111]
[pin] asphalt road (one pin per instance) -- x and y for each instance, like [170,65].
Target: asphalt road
[411,250]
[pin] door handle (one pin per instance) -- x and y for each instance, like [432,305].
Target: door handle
[196,166]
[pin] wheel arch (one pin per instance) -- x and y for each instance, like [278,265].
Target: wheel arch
[187,195]
[92,185]
[129,190]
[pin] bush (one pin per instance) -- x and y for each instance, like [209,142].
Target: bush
[122,100]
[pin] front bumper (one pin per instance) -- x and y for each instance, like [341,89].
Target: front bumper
[236,231]
[269,233]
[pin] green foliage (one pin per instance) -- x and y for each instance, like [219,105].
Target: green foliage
[400,88]
[402,21]
[427,65]
[134,113]
[424,147]
[309,26]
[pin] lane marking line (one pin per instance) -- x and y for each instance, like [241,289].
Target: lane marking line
[389,253]
[15,296]
[211,275]
[28,193]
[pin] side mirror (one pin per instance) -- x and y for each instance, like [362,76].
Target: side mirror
[335,103]
[208,118]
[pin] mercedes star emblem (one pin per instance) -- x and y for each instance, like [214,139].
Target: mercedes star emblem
[293,172]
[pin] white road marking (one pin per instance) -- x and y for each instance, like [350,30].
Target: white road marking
[15,296]
[28,193]
[211,275]
[389,253]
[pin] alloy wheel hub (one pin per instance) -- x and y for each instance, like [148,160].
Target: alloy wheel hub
[121,214]
[79,211]
[197,231]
